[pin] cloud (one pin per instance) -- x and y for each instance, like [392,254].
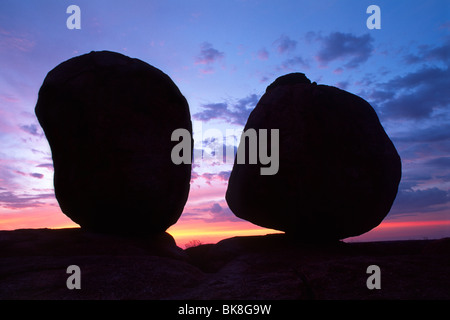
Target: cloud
[444,177]
[9,98]
[33,175]
[208,54]
[10,200]
[434,133]
[416,95]
[216,208]
[422,77]
[194,176]
[37,175]
[224,175]
[222,213]
[215,212]
[221,176]
[427,53]
[293,63]
[284,44]
[420,201]
[234,113]
[380,96]
[32,129]
[45,165]
[263,54]
[342,85]
[264,79]
[211,111]
[21,173]
[345,46]
[443,162]
[338,70]
[11,42]
[445,26]
[414,153]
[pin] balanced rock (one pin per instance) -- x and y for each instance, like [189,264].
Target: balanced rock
[338,170]
[109,119]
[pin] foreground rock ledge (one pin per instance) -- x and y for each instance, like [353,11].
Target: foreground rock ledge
[33,265]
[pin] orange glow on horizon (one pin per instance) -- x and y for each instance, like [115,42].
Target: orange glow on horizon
[213,232]
[186,229]
[409,224]
[406,230]
[35,218]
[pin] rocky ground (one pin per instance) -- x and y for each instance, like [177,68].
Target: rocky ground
[33,265]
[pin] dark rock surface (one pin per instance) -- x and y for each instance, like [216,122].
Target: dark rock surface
[33,265]
[338,170]
[109,119]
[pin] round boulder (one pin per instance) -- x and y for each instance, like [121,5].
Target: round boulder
[338,170]
[108,119]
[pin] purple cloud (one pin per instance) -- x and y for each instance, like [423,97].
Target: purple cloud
[432,134]
[37,175]
[45,165]
[222,213]
[215,212]
[293,63]
[236,113]
[342,85]
[263,54]
[32,129]
[284,44]
[416,95]
[10,200]
[221,176]
[443,162]
[224,175]
[208,54]
[421,201]
[211,111]
[33,175]
[345,46]
[427,53]
[216,208]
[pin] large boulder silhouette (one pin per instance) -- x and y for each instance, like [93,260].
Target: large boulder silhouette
[108,119]
[338,170]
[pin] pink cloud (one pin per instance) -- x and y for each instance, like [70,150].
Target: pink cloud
[10,41]
[263,54]
[207,70]
[9,98]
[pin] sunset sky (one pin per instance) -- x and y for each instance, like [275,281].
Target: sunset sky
[222,55]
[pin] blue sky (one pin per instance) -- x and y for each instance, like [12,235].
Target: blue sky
[222,55]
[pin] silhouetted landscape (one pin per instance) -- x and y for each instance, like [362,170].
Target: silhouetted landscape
[109,120]
[224,150]
[33,265]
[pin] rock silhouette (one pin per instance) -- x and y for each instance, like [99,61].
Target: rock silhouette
[109,119]
[338,170]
